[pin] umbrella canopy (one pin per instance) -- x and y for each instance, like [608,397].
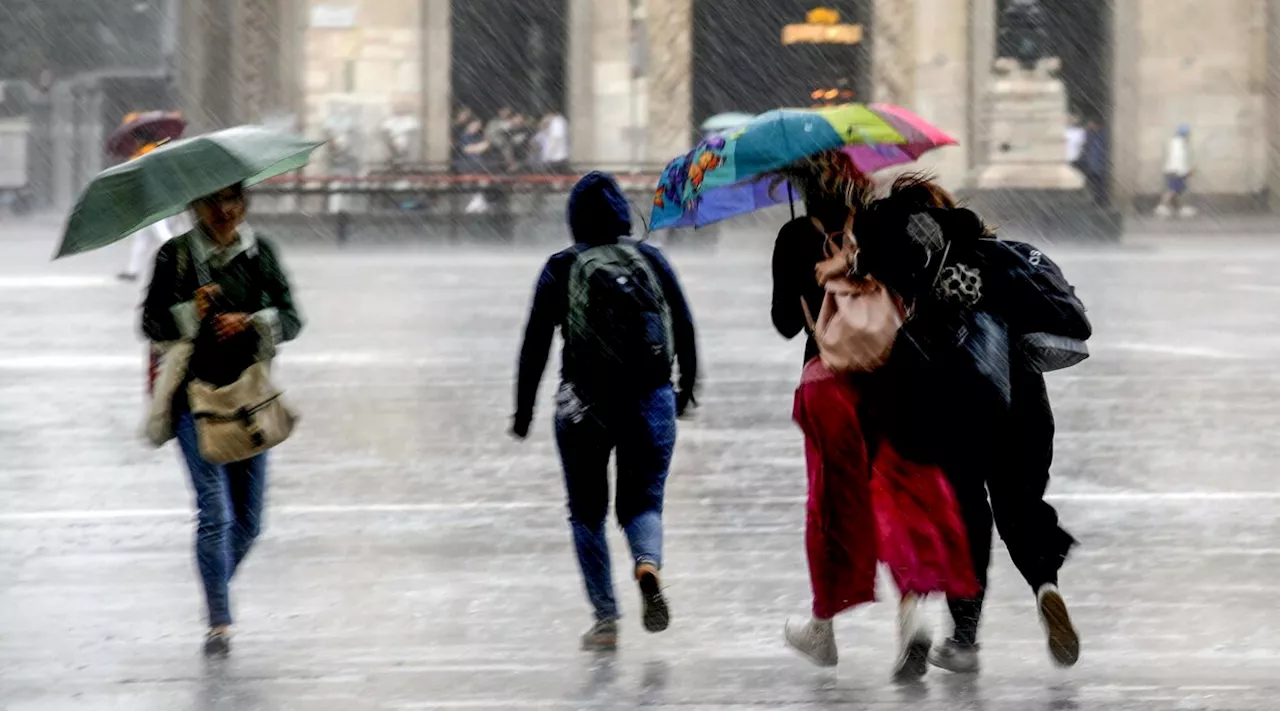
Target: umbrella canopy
[728,174]
[727,121]
[921,136]
[162,183]
[160,125]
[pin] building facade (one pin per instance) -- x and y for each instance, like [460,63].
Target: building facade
[625,75]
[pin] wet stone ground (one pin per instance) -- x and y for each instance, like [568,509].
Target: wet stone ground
[416,558]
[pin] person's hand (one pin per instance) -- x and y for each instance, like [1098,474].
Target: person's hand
[229,325]
[520,426]
[684,398]
[205,298]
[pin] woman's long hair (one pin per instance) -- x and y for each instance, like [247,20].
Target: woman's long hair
[829,184]
[921,189]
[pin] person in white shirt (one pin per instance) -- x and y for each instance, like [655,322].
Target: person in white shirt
[553,143]
[1075,135]
[1179,166]
[147,241]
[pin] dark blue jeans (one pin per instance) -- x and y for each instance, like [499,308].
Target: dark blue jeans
[643,431]
[229,499]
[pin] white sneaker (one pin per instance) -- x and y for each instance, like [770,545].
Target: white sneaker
[816,640]
[1187,212]
[1163,211]
[955,659]
[1064,641]
[914,642]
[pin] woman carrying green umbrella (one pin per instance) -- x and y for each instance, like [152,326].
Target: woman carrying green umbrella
[221,288]
[218,304]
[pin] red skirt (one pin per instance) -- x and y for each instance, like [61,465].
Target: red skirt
[867,505]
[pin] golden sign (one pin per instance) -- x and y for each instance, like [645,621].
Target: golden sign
[821,34]
[823,16]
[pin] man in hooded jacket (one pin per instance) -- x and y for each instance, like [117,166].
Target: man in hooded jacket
[592,418]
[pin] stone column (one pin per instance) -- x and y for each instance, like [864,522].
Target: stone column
[669,79]
[189,61]
[942,83]
[253,25]
[204,31]
[1272,122]
[579,107]
[982,55]
[600,84]
[1126,102]
[285,92]
[893,51]
[437,82]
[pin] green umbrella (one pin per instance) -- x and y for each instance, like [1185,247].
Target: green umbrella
[162,183]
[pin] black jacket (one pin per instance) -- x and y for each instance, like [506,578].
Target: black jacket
[598,214]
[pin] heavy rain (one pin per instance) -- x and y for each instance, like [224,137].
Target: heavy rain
[616,354]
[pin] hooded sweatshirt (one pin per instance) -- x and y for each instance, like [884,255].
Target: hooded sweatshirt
[598,214]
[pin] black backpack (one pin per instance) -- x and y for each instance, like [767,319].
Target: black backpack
[1047,321]
[617,330]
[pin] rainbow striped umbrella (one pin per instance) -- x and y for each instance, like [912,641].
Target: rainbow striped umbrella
[727,175]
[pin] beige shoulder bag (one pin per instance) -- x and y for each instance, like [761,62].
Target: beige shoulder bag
[244,419]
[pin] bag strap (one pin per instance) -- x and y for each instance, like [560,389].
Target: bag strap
[808,316]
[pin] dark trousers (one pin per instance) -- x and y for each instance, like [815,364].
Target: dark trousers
[643,434]
[1099,190]
[1002,476]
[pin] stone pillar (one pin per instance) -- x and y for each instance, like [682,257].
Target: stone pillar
[189,61]
[982,56]
[226,62]
[922,57]
[893,52]
[253,25]
[1273,104]
[1126,99]
[204,30]
[285,90]
[669,79]
[579,107]
[941,83]
[437,82]
[600,85]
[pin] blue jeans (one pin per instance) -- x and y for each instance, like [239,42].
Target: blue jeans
[643,431]
[229,499]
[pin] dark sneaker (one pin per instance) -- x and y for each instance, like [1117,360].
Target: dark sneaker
[602,637]
[217,642]
[657,616]
[1064,641]
[956,658]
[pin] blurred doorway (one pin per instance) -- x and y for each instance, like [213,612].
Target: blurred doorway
[751,61]
[509,54]
[1080,35]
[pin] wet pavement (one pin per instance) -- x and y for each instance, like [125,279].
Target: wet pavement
[416,558]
